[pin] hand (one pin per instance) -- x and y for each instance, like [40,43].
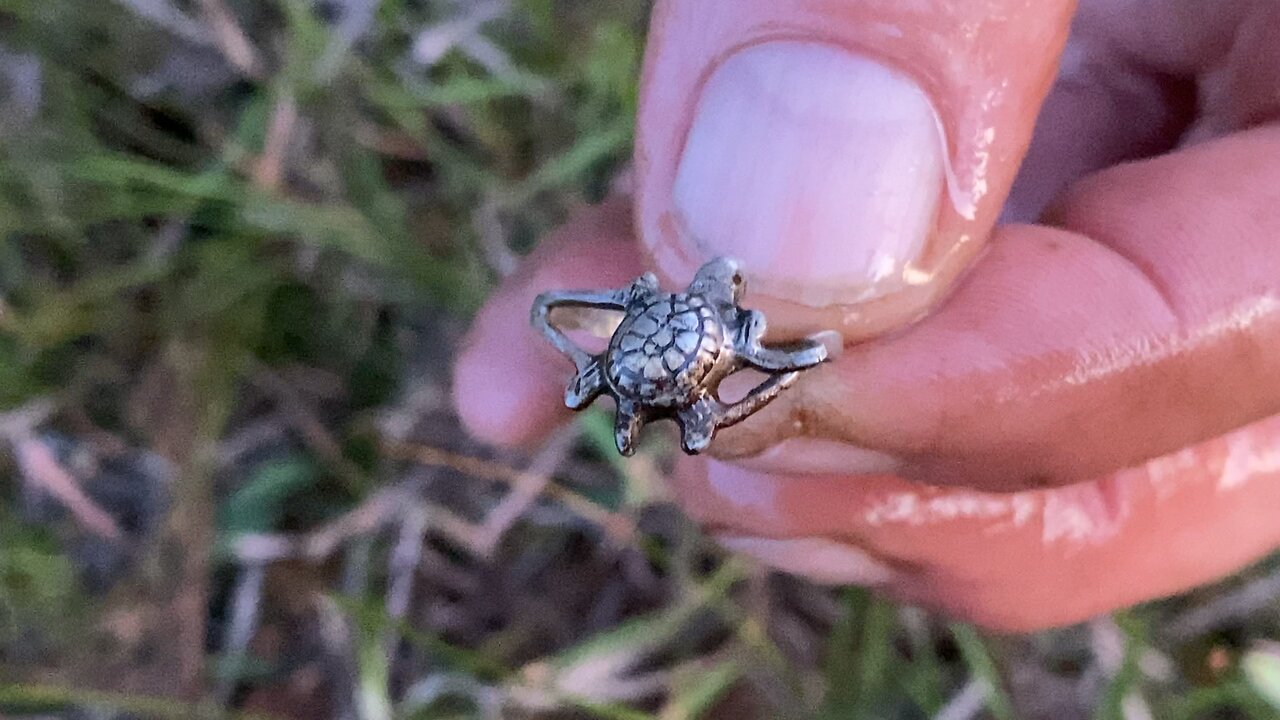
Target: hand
[985,444]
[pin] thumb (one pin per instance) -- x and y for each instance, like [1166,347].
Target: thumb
[853,154]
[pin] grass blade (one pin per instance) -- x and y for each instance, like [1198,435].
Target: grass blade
[983,667]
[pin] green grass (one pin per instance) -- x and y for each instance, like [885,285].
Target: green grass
[253,267]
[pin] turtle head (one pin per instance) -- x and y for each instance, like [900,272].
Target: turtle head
[643,286]
[721,280]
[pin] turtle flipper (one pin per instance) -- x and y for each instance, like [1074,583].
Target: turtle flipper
[698,425]
[799,356]
[586,386]
[626,426]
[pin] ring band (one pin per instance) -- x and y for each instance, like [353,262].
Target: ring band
[668,352]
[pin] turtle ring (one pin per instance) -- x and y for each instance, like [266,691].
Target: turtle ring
[668,352]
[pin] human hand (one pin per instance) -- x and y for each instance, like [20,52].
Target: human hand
[985,443]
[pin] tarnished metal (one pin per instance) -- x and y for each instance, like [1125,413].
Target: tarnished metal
[669,352]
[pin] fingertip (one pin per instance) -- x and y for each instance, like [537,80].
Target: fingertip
[504,401]
[508,382]
[507,389]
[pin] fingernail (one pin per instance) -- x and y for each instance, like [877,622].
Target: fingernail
[819,168]
[825,561]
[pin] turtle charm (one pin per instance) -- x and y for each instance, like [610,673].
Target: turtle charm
[668,354]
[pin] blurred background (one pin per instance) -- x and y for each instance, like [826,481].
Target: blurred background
[240,240]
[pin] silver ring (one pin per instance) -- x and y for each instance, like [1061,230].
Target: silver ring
[668,353]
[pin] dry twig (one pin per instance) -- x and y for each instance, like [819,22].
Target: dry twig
[487,222]
[377,512]
[41,468]
[618,526]
[164,14]
[270,166]
[966,704]
[231,40]
[312,431]
[404,560]
[245,604]
[524,490]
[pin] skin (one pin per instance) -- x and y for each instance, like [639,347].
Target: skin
[1088,413]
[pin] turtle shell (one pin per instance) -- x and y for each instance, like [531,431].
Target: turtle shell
[664,348]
